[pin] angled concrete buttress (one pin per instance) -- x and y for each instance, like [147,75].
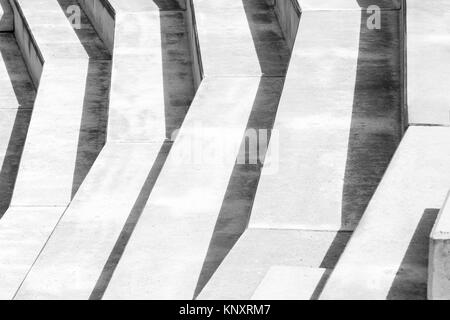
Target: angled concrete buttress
[340,105]
[166,252]
[44,183]
[387,257]
[148,101]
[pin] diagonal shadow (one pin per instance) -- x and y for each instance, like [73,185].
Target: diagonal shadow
[25,95]
[376,126]
[273,56]
[411,280]
[179,91]
[92,137]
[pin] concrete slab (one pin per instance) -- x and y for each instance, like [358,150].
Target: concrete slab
[6,17]
[289,283]
[81,244]
[85,246]
[23,231]
[337,133]
[45,178]
[188,195]
[246,266]
[428,34]
[387,255]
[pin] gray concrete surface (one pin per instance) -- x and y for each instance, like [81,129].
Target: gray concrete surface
[152,88]
[387,257]
[187,199]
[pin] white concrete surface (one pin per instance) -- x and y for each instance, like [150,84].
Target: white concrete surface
[6,17]
[381,260]
[44,182]
[428,46]
[183,208]
[328,126]
[289,283]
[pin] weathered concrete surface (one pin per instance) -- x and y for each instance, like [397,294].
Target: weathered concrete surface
[337,136]
[387,256]
[290,283]
[258,250]
[152,88]
[188,196]
[438,271]
[17,96]
[428,46]
[45,178]
[6,17]
[339,132]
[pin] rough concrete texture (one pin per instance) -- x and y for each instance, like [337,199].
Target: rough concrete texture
[438,271]
[428,33]
[152,88]
[187,199]
[6,17]
[326,173]
[133,191]
[45,178]
[387,256]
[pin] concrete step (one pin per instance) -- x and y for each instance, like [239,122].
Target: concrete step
[60,68]
[260,250]
[438,273]
[334,149]
[152,88]
[17,96]
[331,152]
[290,283]
[387,257]
[188,197]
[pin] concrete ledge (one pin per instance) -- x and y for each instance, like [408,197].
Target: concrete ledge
[439,257]
[58,64]
[28,46]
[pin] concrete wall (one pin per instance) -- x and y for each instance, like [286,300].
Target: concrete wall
[102,16]
[30,50]
[194,43]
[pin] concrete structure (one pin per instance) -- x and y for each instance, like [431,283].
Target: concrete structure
[226,149]
[438,271]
